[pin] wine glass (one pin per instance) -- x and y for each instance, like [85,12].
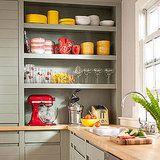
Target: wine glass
[86,72]
[108,73]
[78,71]
[97,72]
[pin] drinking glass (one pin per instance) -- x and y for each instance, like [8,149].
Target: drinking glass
[86,73]
[97,72]
[78,71]
[108,73]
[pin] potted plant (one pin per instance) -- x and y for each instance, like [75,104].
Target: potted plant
[151,104]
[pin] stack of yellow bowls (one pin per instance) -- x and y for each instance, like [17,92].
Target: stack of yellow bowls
[68,21]
[103,47]
[53,17]
[36,18]
[87,48]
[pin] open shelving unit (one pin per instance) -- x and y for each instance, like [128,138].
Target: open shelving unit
[106,94]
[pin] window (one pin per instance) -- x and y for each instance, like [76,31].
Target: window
[151,49]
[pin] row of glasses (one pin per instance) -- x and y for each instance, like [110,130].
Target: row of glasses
[37,74]
[97,71]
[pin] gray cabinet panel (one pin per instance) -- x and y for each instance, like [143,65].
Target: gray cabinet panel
[77,156]
[42,136]
[8,80]
[9,118]
[8,109]
[8,62]
[9,5]
[9,43]
[109,156]
[34,149]
[9,52]
[42,157]
[8,89]
[8,24]
[79,145]
[7,14]
[94,153]
[9,137]
[8,33]
[9,151]
[9,71]
[9,157]
[8,99]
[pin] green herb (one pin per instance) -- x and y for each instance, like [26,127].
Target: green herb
[151,104]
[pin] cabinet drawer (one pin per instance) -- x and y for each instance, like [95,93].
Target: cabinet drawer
[8,80]
[42,157]
[94,152]
[42,136]
[79,145]
[8,109]
[9,33]
[10,43]
[9,24]
[34,149]
[9,118]
[8,89]
[9,137]
[9,151]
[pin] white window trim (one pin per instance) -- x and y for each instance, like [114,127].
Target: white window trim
[140,7]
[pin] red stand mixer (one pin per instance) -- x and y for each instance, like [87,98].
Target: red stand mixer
[36,101]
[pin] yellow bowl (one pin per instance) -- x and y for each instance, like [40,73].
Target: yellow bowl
[36,18]
[88,122]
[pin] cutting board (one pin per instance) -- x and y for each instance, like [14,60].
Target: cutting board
[134,141]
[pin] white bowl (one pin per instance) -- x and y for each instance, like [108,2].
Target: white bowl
[82,20]
[107,23]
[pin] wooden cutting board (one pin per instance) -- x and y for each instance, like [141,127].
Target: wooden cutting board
[134,141]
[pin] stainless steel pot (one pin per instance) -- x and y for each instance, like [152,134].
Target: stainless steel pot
[75,113]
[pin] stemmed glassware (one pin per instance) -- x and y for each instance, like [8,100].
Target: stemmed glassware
[78,71]
[97,72]
[108,73]
[86,73]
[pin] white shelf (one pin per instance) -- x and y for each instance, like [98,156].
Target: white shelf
[71,86]
[70,57]
[52,27]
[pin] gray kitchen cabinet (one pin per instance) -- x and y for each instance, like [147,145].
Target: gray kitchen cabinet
[77,148]
[109,156]
[9,62]
[9,146]
[93,153]
[40,145]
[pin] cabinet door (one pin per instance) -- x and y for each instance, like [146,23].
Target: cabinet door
[109,156]
[8,62]
[94,153]
[77,156]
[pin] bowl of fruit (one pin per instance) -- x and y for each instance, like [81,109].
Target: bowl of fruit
[90,120]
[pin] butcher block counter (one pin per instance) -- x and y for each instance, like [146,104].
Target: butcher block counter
[125,152]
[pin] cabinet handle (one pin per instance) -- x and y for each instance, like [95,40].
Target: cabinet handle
[72,145]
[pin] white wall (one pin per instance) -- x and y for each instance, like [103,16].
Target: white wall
[128,52]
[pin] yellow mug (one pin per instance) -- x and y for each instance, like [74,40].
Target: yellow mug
[87,48]
[103,47]
[53,17]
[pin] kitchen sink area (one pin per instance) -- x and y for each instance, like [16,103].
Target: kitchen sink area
[106,131]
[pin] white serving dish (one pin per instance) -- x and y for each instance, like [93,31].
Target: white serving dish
[107,23]
[106,131]
[82,20]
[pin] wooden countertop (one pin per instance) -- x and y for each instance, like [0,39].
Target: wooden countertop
[33,128]
[125,152]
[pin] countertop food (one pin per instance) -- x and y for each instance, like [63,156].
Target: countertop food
[125,152]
